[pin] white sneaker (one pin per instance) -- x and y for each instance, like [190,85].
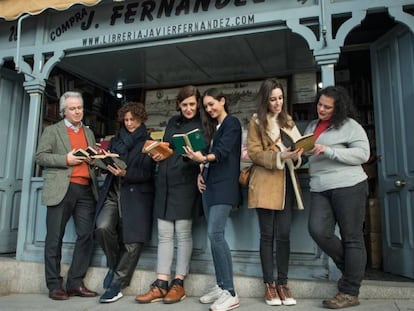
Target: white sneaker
[225,302]
[112,294]
[212,295]
[285,295]
[271,296]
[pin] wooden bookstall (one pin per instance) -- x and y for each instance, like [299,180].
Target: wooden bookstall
[358,82]
[99,106]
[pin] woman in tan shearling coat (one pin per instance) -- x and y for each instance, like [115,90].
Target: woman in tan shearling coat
[273,186]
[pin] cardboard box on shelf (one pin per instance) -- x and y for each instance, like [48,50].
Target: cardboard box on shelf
[373,216]
[373,243]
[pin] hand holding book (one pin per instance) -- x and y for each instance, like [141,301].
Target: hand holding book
[88,152]
[193,139]
[101,157]
[158,150]
[77,156]
[106,157]
[116,170]
[307,142]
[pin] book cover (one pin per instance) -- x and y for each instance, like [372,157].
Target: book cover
[103,144]
[307,142]
[193,139]
[154,147]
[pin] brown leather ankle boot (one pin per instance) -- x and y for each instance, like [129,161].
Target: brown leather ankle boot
[157,292]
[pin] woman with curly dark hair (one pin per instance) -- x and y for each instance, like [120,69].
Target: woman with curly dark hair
[125,204]
[339,189]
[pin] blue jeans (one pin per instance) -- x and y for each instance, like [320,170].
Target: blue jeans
[345,207]
[216,217]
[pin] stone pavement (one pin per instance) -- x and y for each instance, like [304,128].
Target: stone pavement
[40,302]
[22,287]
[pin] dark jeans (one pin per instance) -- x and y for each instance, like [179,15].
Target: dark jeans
[276,225]
[345,207]
[121,257]
[79,203]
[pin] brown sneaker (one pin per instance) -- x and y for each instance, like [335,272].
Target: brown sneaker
[285,295]
[340,301]
[157,292]
[271,297]
[176,292]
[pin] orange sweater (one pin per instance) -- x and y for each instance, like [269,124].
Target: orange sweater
[80,173]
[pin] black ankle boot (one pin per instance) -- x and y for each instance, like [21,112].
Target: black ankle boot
[161,284]
[177,282]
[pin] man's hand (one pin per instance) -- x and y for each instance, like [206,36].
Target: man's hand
[73,160]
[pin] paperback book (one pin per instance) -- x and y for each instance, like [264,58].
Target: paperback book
[307,142]
[154,147]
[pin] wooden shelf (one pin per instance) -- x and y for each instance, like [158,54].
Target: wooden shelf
[99,108]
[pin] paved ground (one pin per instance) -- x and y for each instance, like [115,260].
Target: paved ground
[40,302]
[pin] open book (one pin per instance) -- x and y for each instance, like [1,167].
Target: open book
[193,139]
[106,157]
[90,151]
[307,142]
[154,147]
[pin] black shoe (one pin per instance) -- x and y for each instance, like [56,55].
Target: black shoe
[58,294]
[81,291]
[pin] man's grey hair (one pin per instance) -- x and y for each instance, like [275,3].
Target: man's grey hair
[62,101]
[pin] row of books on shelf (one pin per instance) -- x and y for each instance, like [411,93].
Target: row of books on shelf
[52,110]
[60,83]
[366,117]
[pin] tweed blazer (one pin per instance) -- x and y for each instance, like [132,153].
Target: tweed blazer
[51,152]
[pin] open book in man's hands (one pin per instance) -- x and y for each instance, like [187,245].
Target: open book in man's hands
[193,139]
[307,142]
[88,152]
[154,147]
[106,157]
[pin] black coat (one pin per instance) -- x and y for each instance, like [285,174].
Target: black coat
[176,193]
[136,193]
